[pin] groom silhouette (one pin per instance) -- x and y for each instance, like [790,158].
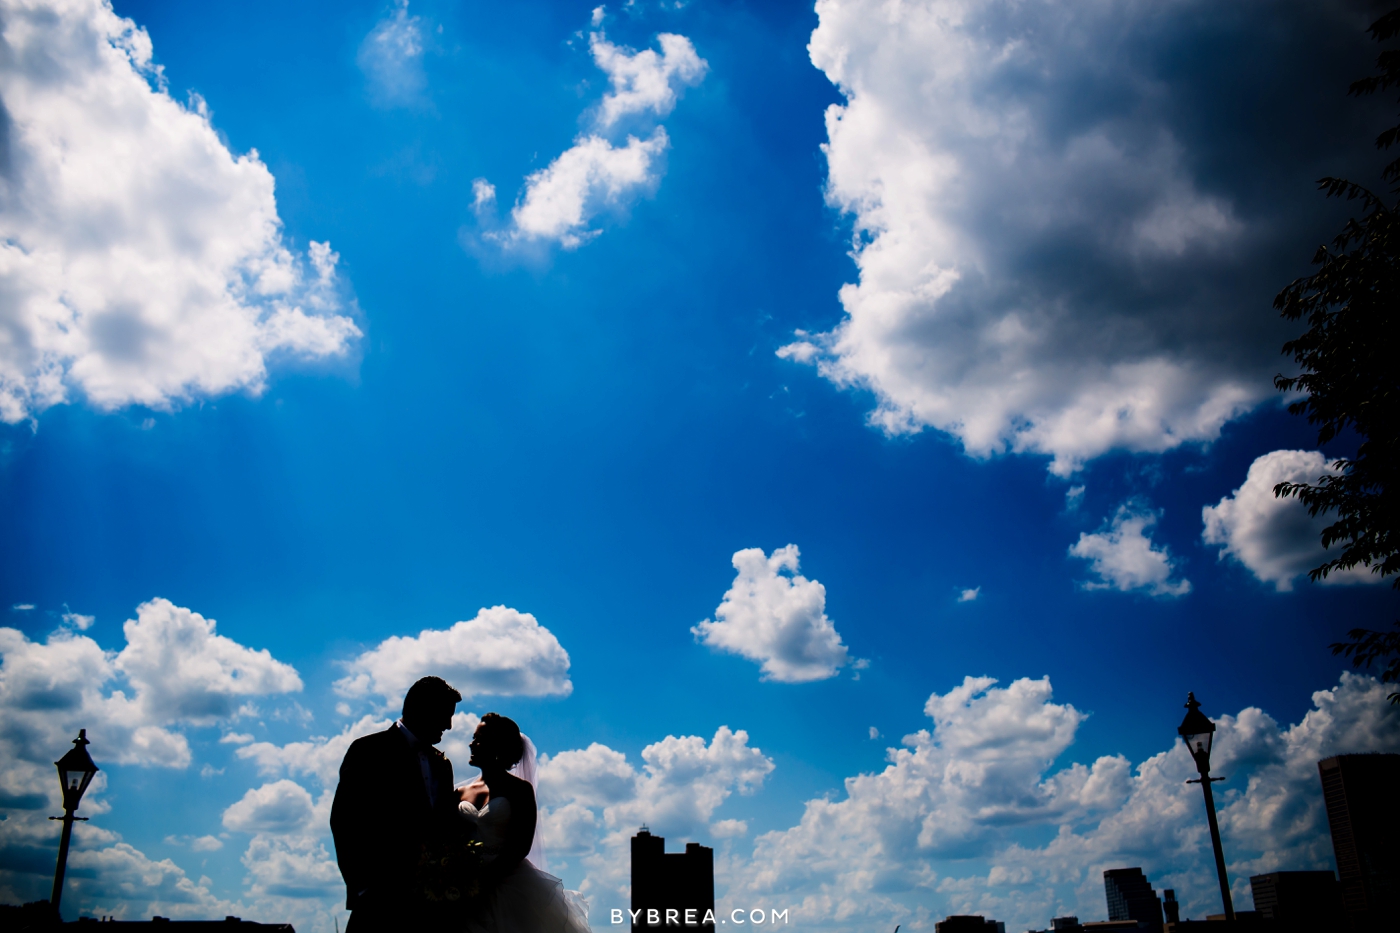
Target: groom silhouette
[395,795]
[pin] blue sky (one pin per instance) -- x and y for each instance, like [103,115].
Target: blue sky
[341,324]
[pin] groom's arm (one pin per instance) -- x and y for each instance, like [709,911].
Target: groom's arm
[351,817]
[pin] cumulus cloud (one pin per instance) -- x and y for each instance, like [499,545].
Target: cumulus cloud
[318,757]
[501,652]
[1276,539]
[936,832]
[595,174]
[569,830]
[292,867]
[183,671]
[280,807]
[123,882]
[684,780]
[174,672]
[970,595]
[391,57]
[644,81]
[952,793]
[141,262]
[1063,238]
[80,622]
[777,617]
[1121,555]
[594,798]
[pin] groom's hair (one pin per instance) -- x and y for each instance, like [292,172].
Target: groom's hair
[503,737]
[429,695]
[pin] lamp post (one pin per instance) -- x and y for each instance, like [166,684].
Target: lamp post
[1197,732]
[75,773]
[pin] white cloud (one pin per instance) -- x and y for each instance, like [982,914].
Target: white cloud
[173,673]
[569,830]
[684,780]
[1052,258]
[280,807]
[197,843]
[596,775]
[318,757]
[594,799]
[22,607]
[183,671]
[123,882]
[483,195]
[949,794]
[773,615]
[80,622]
[941,829]
[292,867]
[644,81]
[391,57]
[1276,539]
[594,175]
[141,262]
[1122,556]
[174,669]
[290,871]
[970,596]
[501,652]
[729,829]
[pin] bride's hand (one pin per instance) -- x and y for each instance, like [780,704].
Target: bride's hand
[474,792]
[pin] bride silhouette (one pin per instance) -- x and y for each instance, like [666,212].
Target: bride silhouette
[500,811]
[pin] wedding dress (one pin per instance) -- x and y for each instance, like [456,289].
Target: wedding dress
[529,899]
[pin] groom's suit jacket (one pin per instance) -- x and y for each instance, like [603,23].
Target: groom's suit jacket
[381,816]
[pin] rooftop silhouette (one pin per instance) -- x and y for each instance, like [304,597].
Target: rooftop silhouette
[1130,897]
[1364,817]
[671,881]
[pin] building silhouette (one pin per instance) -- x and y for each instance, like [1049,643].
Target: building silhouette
[40,916]
[1170,907]
[1299,900]
[1362,811]
[671,890]
[962,923]
[1130,897]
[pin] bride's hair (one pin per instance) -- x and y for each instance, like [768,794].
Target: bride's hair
[502,736]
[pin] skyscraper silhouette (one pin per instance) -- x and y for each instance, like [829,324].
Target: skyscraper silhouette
[1130,897]
[1362,810]
[676,882]
[1299,901]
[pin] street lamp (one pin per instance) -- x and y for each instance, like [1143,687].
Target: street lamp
[75,773]
[1197,732]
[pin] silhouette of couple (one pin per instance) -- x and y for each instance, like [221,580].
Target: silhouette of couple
[397,811]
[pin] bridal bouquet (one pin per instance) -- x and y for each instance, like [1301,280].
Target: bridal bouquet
[449,869]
